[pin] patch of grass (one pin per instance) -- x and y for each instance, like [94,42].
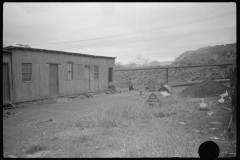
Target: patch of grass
[45,122]
[82,139]
[54,139]
[36,148]
[159,114]
[107,124]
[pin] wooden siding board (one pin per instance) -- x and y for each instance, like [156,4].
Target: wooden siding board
[35,81]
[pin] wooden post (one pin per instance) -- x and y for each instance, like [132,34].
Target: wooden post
[166,81]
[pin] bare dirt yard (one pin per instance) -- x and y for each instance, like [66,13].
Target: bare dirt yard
[116,125]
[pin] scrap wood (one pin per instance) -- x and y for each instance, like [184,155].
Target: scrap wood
[212,128]
[214,137]
[216,122]
[229,126]
[209,113]
[184,122]
[164,93]
[229,109]
[198,131]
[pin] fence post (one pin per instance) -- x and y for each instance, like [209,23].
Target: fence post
[166,80]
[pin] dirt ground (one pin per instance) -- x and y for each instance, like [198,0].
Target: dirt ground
[116,125]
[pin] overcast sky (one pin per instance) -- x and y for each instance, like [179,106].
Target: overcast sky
[158,31]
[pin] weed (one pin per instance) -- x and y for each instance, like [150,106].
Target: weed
[83,139]
[159,115]
[54,138]
[108,124]
[45,122]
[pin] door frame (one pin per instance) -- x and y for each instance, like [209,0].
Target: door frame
[110,77]
[57,79]
[9,81]
[89,80]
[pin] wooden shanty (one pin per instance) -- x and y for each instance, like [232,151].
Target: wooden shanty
[34,74]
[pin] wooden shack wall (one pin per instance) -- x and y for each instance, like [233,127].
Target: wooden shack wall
[7,59]
[38,88]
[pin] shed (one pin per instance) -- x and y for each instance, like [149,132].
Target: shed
[40,73]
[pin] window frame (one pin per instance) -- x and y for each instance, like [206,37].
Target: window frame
[26,72]
[69,71]
[96,72]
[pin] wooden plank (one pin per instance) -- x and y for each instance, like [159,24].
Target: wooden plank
[195,82]
[35,81]
[166,76]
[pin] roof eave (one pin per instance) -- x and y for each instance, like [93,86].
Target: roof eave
[15,47]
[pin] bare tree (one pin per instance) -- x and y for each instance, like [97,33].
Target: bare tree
[139,60]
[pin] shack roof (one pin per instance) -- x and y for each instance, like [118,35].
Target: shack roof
[53,51]
[6,51]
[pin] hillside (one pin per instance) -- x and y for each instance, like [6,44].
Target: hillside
[218,54]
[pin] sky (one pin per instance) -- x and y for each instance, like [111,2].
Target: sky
[154,31]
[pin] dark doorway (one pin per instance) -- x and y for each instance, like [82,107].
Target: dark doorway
[110,75]
[53,80]
[6,86]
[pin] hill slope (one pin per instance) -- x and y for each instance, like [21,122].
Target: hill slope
[218,54]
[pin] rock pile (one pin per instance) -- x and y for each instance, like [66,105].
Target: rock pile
[205,88]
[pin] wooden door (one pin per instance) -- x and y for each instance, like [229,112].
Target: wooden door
[6,85]
[53,79]
[87,78]
[110,75]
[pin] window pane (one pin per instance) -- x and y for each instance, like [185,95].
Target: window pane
[26,71]
[70,75]
[96,75]
[70,66]
[26,77]
[27,68]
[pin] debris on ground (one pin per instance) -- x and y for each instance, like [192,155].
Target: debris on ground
[107,92]
[81,97]
[164,93]
[209,113]
[88,95]
[7,113]
[204,109]
[184,122]
[11,156]
[213,138]
[205,88]
[111,87]
[229,109]
[194,130]
[212,128]
[165,88]
[216,122]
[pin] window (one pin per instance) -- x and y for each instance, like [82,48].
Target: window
[70,71]
[26,72]
[96,72]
